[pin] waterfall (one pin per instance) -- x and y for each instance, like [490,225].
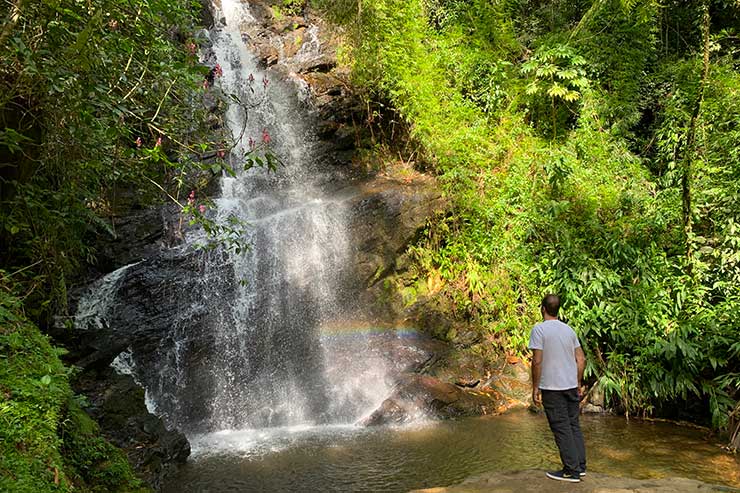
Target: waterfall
[271,366]
[239,341]
[92,310]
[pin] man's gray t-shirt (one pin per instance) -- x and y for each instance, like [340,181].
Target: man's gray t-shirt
[558,343]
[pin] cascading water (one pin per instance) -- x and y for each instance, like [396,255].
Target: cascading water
[245,349]
[270,367]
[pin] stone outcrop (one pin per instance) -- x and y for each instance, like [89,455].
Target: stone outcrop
[424,396]
[155,298]
[140,322]
[387,215]
[536,482]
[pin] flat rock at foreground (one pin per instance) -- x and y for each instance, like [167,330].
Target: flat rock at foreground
[536,482]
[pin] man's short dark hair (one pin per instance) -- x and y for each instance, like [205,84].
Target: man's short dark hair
[551,304]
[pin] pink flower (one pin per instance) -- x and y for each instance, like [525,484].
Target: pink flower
[218,71]
[138,141]
[265,82]
[159,142]
[205,84]
[191,197]
[191,48]
[250,78]
[202,208]
[251,143]
[265,137]
[221,153]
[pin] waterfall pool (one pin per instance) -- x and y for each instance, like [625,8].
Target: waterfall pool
[396,459]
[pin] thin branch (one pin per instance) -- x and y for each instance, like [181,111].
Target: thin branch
[123,74]
[166,93]
[8,276]
[138,82]
[162,132]
[590,13]
[166,192]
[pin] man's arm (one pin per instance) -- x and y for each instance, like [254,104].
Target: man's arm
[536,374]
[581,364]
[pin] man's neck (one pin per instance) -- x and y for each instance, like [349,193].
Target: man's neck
[547,317]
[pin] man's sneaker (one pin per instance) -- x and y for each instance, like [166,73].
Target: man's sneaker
[564,476]
[582,472]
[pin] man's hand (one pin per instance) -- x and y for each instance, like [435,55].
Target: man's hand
[536,397]
[536,374]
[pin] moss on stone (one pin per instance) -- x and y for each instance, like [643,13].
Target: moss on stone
[47,442]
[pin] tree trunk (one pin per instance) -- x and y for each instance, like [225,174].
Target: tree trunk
[734,429]
[686,177]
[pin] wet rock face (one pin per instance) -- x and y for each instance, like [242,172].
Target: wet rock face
[387,211]
[387,216]
[157,301]
[154,298]
[303,50]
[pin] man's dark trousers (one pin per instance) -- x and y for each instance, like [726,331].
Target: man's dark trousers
[562,410]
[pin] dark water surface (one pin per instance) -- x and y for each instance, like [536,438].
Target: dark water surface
[349,459]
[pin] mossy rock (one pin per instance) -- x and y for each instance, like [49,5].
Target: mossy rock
[47,443]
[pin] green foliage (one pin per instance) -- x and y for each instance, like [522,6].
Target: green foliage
[621,46]
[37,405]
[594,215]
[34,385]
[294,7]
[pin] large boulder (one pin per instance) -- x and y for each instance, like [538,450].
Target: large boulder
[144,309]
[418,396]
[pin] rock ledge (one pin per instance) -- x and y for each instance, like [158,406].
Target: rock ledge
[535,481]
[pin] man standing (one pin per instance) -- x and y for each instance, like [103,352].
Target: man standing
[557,371]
